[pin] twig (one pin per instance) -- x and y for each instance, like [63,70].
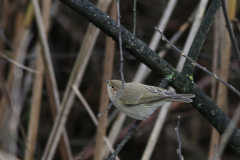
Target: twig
[143,71]
[121,59]
[215,152]
[196,64]
[226,135]
[190,147]
[135,18]
[232,37]
[18,64]
[90,112]
[114,132]
[201,36]
[120,45]
[124,141]
[196,23]
[162,24]
[179,150]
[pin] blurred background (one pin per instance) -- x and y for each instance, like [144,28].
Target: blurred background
[72,40]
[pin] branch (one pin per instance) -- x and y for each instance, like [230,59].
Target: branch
[179,150]
[124,141]
[121,59]
[18,64]
[201,36]
[134,18]
[229,28]
[227,133]
[142,52]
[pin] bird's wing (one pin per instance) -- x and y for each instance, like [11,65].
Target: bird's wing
[147,94]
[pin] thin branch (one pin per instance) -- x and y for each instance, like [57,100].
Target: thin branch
[135,17]
[143,71]
[124,141]
[215,152]
[201,36]
[196,23]
[114,132]
[162,24]
[198,65]
[121,59]
[179,150]
[232,37]
[94,119]
[226,135]
[120,45]
[18,64]
[189,146]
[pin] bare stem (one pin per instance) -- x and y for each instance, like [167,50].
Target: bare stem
[18,64]
[134,18]
[120,46]
[226,135]
[124,141]
[198,65]
[179,150]
[121,60]
[232,37]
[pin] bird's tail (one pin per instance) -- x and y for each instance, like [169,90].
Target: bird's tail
[182,98]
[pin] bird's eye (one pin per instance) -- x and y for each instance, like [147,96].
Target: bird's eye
[112,87]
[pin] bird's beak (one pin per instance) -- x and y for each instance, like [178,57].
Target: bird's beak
[106,80]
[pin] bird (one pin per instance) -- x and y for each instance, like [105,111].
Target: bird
[139,101]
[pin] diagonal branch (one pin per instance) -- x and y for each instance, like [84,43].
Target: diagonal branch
[201,36]
[142,52]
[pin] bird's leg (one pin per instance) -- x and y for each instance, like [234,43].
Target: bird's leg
[135,125]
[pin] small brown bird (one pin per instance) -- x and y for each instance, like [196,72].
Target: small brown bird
[139,101]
